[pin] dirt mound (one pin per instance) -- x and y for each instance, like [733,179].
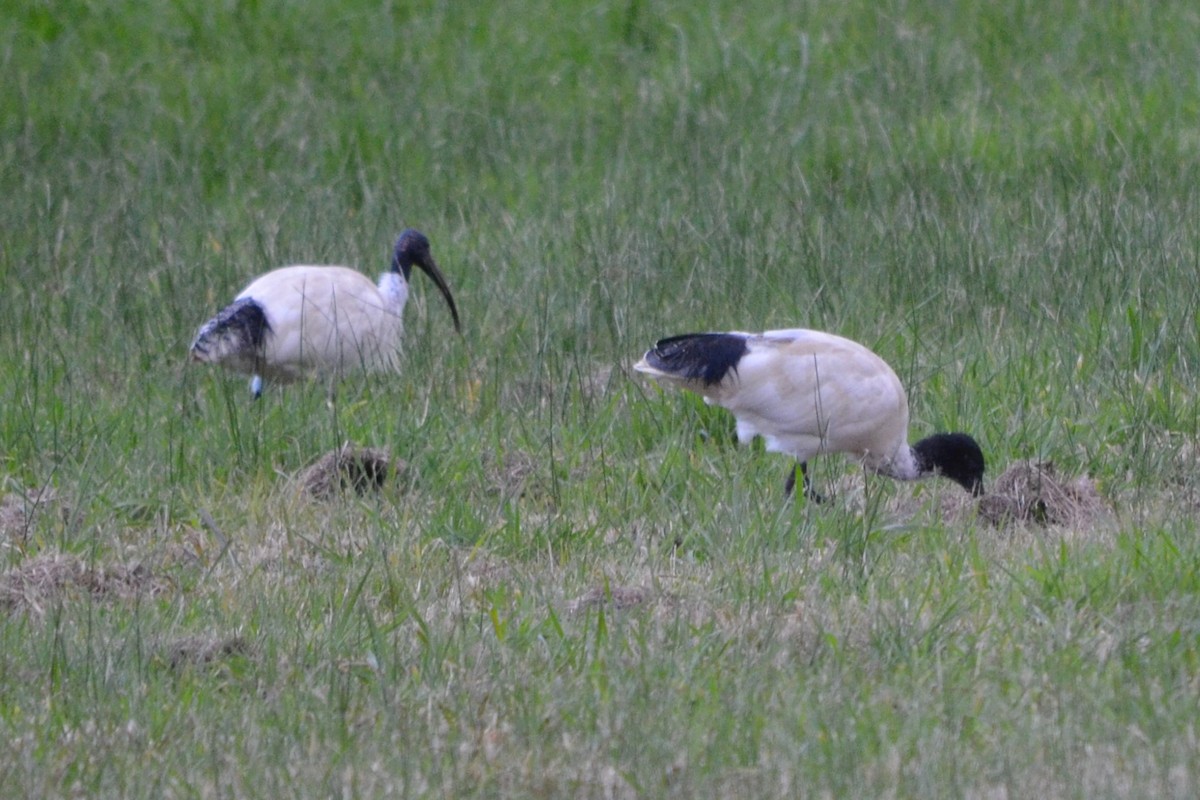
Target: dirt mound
[618,597]
[50,577]
[361,469]
[204,650]
[1032,491]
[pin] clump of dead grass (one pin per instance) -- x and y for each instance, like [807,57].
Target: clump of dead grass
[48,578]
[349,467]
[1034,492]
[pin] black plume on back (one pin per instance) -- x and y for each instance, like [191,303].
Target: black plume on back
[239,328]
[707,357]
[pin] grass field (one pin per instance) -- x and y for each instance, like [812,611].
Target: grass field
[580,586]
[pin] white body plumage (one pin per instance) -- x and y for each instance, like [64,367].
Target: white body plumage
[298,321]
[808,392]
[327,321]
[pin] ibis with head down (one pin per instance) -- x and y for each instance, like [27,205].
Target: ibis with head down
[808,393]
[324,321]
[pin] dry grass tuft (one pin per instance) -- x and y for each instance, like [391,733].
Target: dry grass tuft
[18,509]
[1032,491]
[50,577]
[362,469]
[618,597]
[510,473]
[205,650]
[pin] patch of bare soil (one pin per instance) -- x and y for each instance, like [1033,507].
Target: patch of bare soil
[45,579]
[199,651]
[1034,492]
[349,467]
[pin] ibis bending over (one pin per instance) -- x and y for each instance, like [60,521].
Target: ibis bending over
[807,393]
[324,321]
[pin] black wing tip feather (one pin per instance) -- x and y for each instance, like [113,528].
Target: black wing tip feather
[707,357]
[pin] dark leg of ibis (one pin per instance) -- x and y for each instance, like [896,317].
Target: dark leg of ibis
[806,484]
[789,485]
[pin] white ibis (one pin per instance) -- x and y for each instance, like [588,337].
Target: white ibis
[807,393]
[325,321]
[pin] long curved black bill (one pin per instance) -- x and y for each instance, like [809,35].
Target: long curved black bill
[430,268]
